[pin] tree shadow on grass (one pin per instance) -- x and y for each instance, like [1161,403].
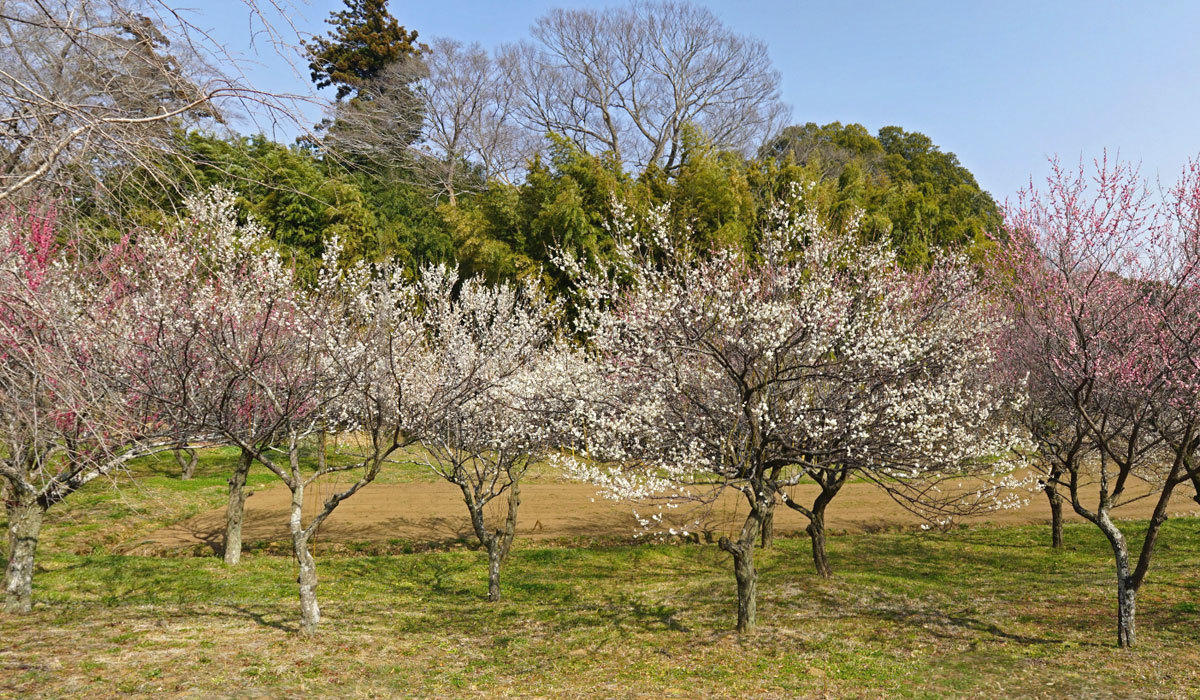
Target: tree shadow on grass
[651,615]
[262,620]
[961,620]
[436,574]
[621,613]
[925,617]
[115,579]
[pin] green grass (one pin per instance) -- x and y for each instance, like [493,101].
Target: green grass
[985,612]
[108,515]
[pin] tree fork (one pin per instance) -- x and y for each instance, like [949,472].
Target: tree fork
[186,458]
[501,543]
[744,571]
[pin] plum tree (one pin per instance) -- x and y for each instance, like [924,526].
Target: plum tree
[816,354]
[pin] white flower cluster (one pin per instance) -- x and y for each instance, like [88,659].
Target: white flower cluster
[819,353]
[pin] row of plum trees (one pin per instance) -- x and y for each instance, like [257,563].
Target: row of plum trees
[667,376]
[201,335]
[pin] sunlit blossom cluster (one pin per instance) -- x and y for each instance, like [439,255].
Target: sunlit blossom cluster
[722,369]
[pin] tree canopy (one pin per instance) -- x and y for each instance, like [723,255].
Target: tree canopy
[364,40]
[909,190]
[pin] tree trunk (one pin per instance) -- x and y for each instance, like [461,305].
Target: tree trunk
[495,558]
[310,611]
[235,511]
[768,527]
[500,542]
[1126,588]
[747,584]
[1126,608]
[1050,486]
[1056,517]
[322,449]
[816,532]
[187,465]
[744,571]
[831,484]
[25,515]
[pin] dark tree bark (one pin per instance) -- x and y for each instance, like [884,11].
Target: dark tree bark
[26,513]
[186,458]
[1056,517]
[743,568]
[816,533]
[768,527]
[1051,486]
[831,483]
[497,542]
[235,511]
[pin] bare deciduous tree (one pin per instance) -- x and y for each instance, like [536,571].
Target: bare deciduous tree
[87,85]
[448,113]
[628,80]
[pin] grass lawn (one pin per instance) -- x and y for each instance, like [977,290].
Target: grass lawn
[987,612]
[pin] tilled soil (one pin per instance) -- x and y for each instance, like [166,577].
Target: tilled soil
[433,513]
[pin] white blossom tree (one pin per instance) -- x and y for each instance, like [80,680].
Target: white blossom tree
[815,355]
[905,399]
[492,352]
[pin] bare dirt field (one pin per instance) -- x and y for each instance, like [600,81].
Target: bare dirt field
[434,513]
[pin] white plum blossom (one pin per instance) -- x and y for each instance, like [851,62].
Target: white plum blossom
[815,355]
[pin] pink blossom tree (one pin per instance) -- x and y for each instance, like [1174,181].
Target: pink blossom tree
[187,285]
[1180,426]
[222,338]
[63,422]
[1100,283]
[816,356]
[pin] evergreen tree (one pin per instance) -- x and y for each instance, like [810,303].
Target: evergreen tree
[365,40]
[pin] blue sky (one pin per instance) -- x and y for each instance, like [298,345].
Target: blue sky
[1004,85]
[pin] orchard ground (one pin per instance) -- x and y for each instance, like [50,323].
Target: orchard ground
[985,609]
